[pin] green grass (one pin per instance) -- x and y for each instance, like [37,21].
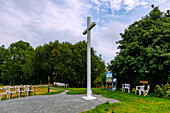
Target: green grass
[129,102]
[44,91]
[76,91]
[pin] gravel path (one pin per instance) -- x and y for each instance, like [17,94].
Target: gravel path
[59,103]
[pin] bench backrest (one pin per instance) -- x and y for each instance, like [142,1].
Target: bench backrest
[126,85]
[17,88]
[7,89]
[148,88]
[26,87]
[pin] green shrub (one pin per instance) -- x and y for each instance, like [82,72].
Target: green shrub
[103,78]
[162,91]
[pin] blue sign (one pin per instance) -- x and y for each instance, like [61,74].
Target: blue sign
[109,80]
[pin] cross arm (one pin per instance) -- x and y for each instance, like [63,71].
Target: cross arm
[89,28]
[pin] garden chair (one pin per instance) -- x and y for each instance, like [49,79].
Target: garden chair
[145,92]
[126,86]
[31,89]
[28,89]
[140,89]
[5,93]
[13,91]
[18,90]
[7,90]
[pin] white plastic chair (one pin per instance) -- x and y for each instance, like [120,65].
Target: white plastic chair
[31,89]
[145,92]
[140,89]
[7,90]
[28,89]
[18,90]
[126,86]
[3,93]
[13,91]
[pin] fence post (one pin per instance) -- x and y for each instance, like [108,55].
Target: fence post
[48,84]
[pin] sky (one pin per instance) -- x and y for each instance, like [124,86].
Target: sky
[41,21]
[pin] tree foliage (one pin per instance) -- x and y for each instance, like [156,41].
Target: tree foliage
[14,60]
[2,50]
[62,62]
[144,51]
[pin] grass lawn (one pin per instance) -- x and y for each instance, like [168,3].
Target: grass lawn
[44,91]
[75,91]
[37,91]
[129,102]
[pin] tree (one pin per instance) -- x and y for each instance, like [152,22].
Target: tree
[62,62]
[144,51]
[70,64]
[41,65]
[21,64]
[14,61]
[2,49]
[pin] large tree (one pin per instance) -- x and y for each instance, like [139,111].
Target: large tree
[70,64]
[2,50]
[40,63]
[144,51]
[15,58]
[64,62]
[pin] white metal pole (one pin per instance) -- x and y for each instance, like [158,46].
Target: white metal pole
[88,58]
[88,31]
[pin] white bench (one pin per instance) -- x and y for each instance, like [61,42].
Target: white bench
[60,84]
[126,86]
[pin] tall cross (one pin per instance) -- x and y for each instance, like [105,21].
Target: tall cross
[88,32]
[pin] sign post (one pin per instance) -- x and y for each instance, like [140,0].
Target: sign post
[88,32]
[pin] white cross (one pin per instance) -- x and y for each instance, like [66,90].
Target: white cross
[88,32]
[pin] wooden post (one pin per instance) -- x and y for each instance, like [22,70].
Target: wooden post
[48,84]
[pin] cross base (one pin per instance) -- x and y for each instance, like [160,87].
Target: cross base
[89,98]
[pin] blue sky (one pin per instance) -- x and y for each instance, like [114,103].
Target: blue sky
[42,21]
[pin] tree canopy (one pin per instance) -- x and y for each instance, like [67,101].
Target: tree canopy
[144,51]
[14,60]
[63,62]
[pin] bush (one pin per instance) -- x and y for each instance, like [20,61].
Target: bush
[162,91]
[97,82]
[103,78]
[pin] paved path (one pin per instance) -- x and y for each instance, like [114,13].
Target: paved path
[59,103]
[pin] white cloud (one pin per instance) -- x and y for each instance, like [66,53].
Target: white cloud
[115,4]
[163,4]
[130,4]
[39,22]
[104,39]
[161,1]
